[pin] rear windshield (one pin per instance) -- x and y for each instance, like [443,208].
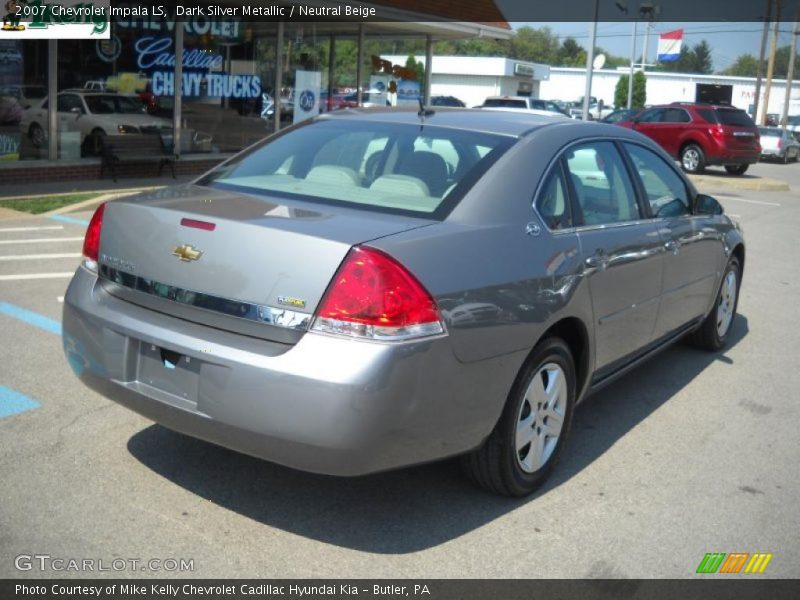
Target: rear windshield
[737,118]
[413,169]
[504,103]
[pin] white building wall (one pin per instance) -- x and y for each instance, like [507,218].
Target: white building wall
[472,79]
[662,88]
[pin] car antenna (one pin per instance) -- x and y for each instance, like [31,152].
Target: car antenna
[424,112]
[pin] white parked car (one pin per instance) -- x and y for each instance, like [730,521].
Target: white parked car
[95,115]
[524,104]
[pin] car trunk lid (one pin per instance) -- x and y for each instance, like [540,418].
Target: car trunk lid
[247,263]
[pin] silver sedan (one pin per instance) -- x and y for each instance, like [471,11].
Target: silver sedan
[374,289]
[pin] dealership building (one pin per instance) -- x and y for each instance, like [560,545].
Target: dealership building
[234,76]
[473,78]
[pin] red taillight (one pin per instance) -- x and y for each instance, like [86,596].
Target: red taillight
[91,243]
[373,296]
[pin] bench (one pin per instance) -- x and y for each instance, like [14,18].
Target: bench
[135,148]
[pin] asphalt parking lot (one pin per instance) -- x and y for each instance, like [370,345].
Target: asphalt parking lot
[691,453]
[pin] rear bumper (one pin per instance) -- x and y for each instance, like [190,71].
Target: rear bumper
[325,405]
[720,154]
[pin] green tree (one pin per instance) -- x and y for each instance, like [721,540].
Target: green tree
[639,97]
[417,66]
[745,65]
[571,53]
[703,62]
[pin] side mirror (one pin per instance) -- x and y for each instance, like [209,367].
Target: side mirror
[76,111]
[706,205]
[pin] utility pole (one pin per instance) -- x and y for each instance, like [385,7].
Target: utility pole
[590,62]
[760,73]
[630,76]
[771,64]
[644,48]
[790,74]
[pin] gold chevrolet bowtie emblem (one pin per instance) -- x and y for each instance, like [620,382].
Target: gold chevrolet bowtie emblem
[187,252]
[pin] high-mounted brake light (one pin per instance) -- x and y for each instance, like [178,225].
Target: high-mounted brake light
[91,242]
[372,296]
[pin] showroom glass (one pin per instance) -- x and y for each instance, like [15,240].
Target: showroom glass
[666,191]
[603,190]
[553,202]
[404,169]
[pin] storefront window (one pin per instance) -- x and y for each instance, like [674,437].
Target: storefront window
[23,85]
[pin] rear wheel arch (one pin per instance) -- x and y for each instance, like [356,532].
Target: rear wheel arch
[690,142]
[738,252]
[575,334]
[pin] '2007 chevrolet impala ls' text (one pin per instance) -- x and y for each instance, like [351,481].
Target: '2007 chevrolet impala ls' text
[374,289]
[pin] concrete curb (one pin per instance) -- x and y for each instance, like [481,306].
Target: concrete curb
[753,184]
[92,202]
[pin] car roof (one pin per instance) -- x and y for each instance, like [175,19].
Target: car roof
[500,122]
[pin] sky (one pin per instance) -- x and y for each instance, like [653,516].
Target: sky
[727,40]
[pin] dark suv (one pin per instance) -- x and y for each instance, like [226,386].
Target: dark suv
[700,135]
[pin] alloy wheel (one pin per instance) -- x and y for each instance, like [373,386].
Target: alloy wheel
[541,417]
[691,159]
[727,304]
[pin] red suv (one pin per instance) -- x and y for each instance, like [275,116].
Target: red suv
[700,135]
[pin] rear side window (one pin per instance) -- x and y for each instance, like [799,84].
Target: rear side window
[709,116]
[603,189]
[666,191]
[386,167]
[737,118]
[676,115]
[553,202]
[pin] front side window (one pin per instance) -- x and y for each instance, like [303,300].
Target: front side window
[388,167]
[603,189]
[651,116]
[666,191]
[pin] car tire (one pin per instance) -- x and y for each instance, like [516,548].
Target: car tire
[37,135]
[693,159]
[505,464]
[715,330]
[737,169]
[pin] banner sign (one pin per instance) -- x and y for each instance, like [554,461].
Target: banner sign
[306,94]
[64,19]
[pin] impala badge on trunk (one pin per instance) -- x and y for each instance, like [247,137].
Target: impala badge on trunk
[187,252]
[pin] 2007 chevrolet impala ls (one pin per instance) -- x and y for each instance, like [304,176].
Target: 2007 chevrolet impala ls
[370,290]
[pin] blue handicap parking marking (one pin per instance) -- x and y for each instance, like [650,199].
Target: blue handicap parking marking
[31,318]
[66,219]
[13,403]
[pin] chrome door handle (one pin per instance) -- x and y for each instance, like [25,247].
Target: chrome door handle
[594,263]
[672,246]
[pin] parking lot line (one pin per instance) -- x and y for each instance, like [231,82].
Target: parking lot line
[42,228]
[30,317]
[13,403]
[71,220]
[762,202]
[42,240]
[29,276]
[40,256]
